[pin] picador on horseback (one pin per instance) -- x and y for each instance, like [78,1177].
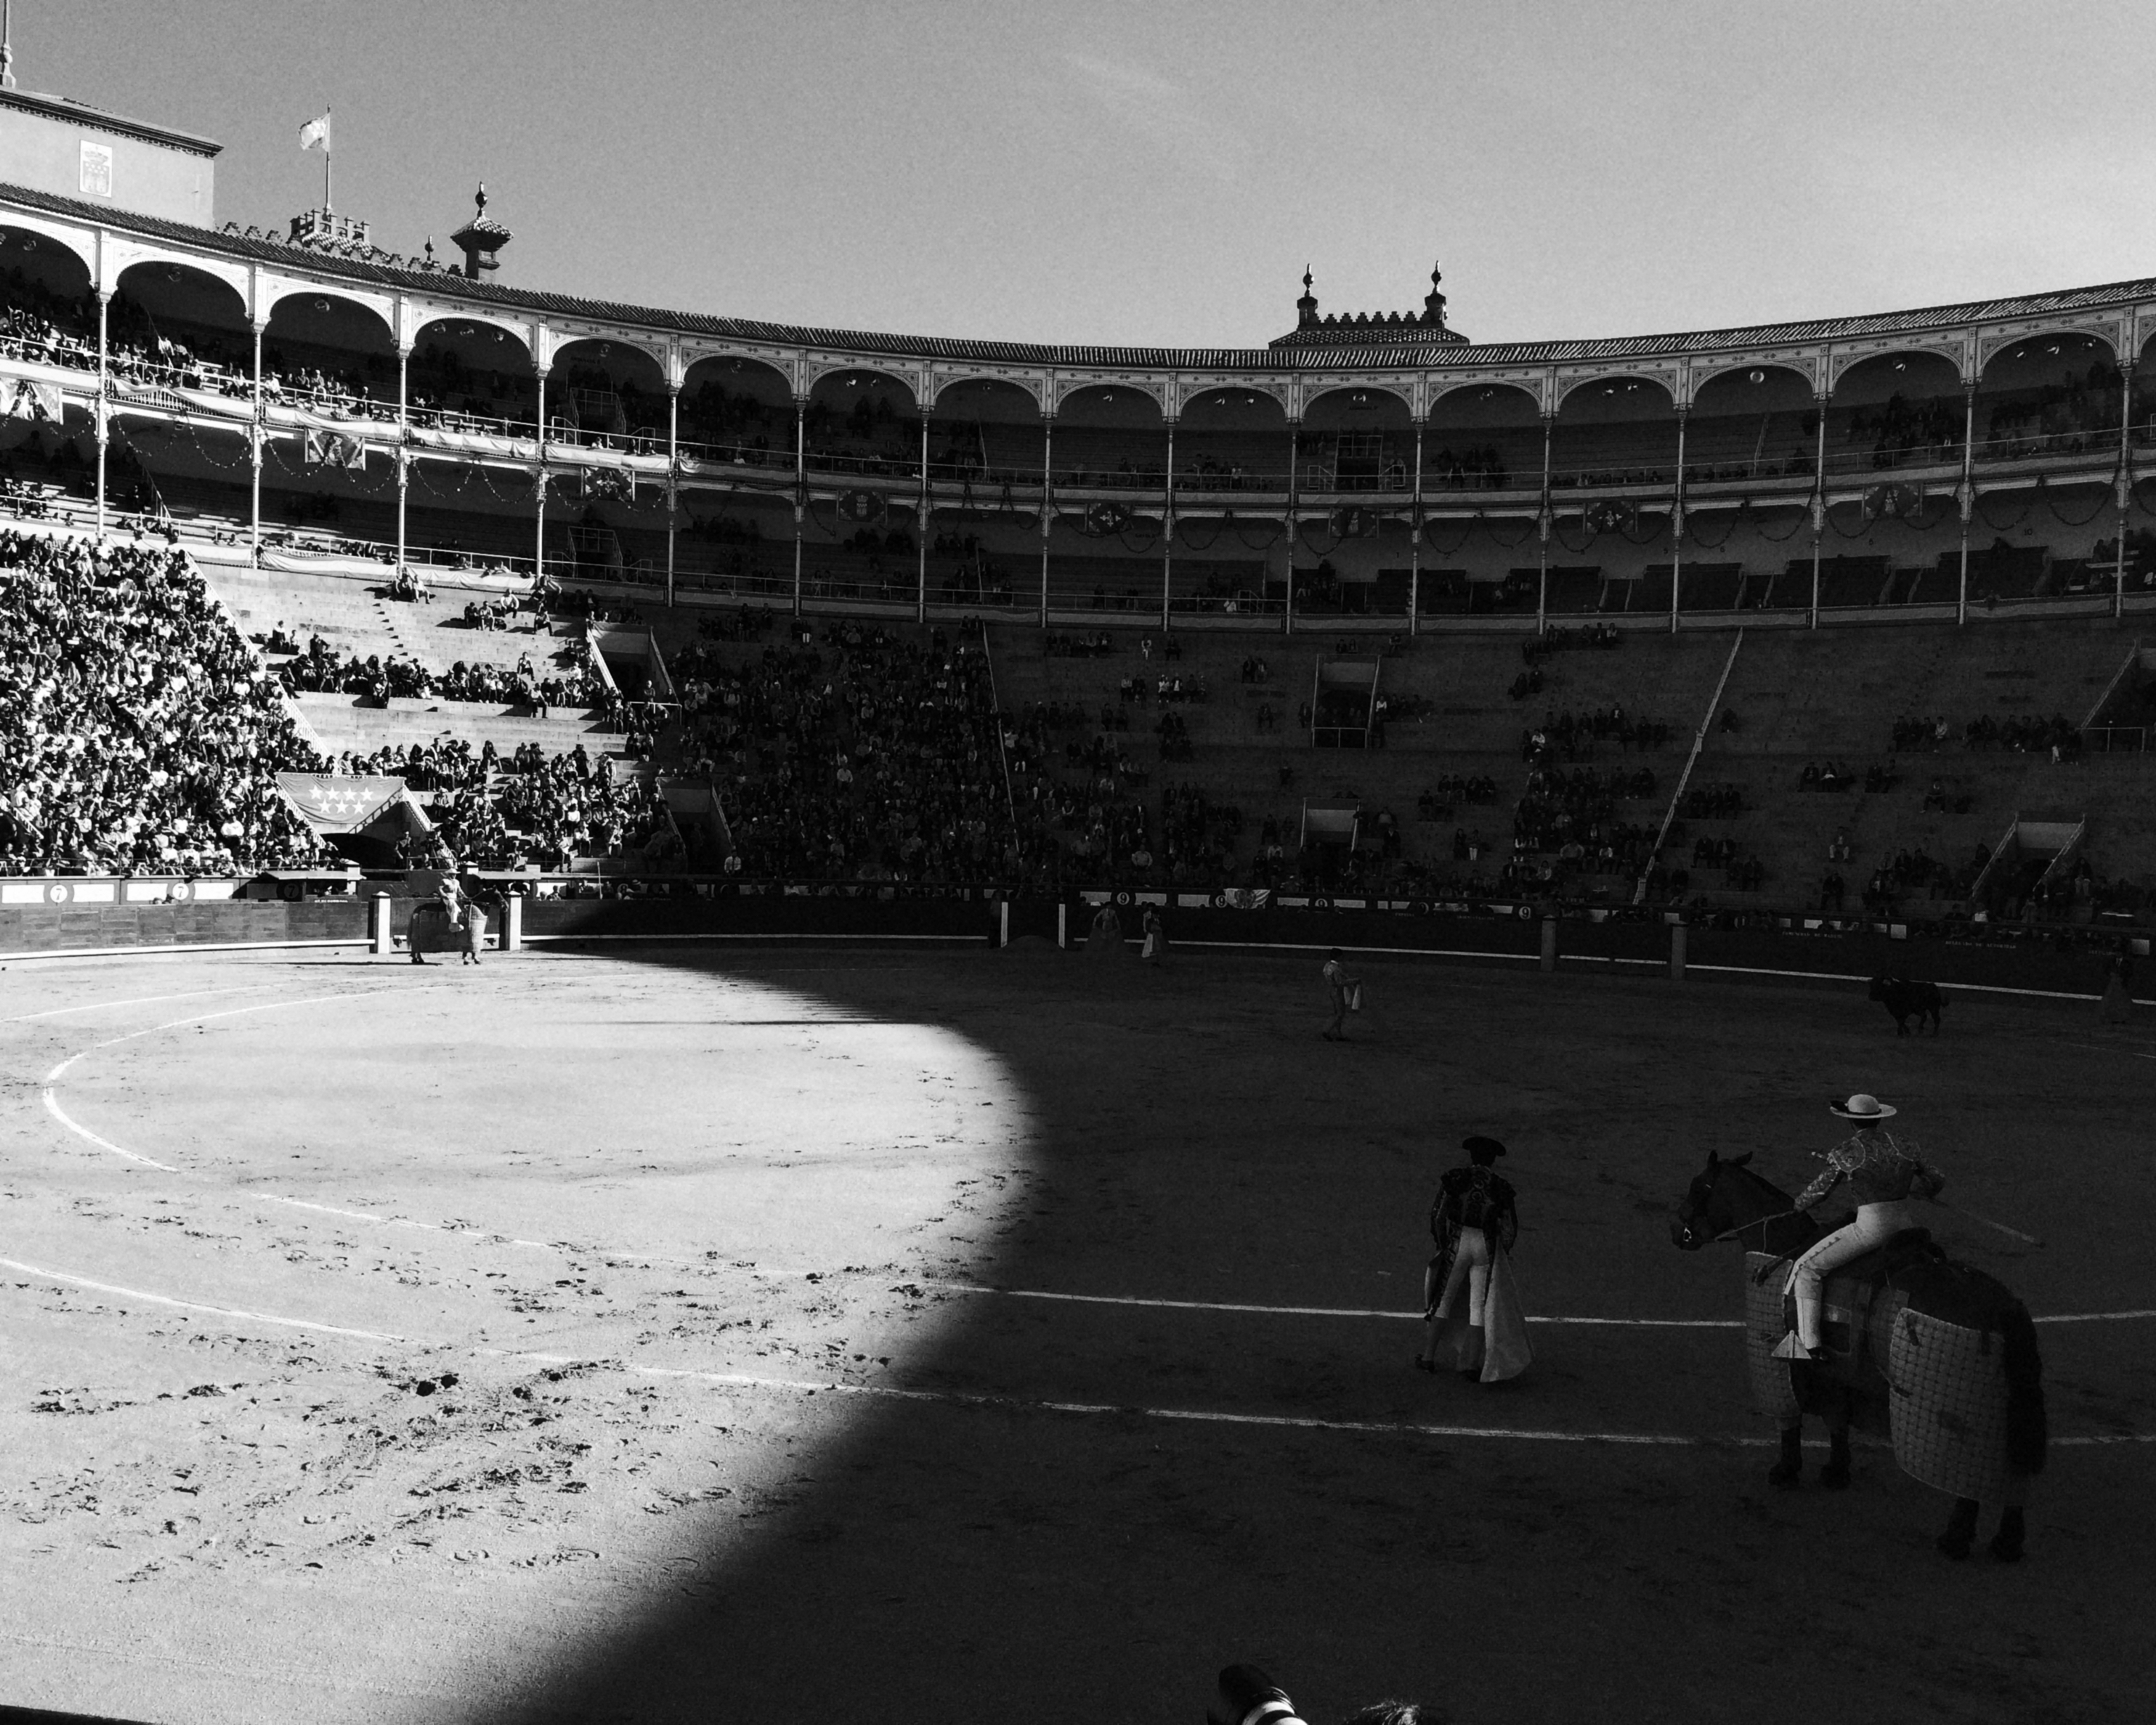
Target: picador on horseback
[1879,1328]
[1885,1176]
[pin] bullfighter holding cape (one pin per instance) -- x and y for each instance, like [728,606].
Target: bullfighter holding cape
[1470,1303]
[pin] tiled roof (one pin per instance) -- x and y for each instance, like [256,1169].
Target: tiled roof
[442,284]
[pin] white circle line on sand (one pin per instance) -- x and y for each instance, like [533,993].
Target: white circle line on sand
[53,1107]
[273,1319]
[1644,1323]
[806,1386]
[140,1000]
[204,1017]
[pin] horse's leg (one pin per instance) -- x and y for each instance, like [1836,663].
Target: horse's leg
[2013,1525]
[1787,1470]
[1961,1530]
[1835,1474]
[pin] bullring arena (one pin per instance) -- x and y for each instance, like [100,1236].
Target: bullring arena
[814,1266]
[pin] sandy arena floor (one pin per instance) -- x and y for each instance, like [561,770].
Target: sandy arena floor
[587,1337]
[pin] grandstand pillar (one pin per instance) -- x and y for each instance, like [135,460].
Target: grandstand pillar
[1414,542]
[1819,504]
[1294,462]
[1819,529]
[1676,950]
[403,432]
[1967,495]
[2125,483]
[513,923]
[1167,535]
[1542,529]
[1541,575]
[1287,604]
[673,478]
[1047,503]
[800,488]
[920,591]
[254,459]
[103,405]
[1549,945]
[1676,524]
[539,527]
[377,925]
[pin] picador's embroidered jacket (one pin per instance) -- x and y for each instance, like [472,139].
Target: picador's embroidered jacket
[1879,1170]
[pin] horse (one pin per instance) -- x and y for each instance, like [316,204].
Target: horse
[1936,1355]
[433,930]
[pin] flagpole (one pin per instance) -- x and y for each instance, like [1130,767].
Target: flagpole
[329,138]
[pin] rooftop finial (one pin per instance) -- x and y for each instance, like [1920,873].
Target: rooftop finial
[1306,308]
[6,44]
[480,239]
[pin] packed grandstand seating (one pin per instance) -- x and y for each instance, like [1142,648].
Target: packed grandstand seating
[139,733]
[867,740]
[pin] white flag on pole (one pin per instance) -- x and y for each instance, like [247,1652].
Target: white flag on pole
[316,134]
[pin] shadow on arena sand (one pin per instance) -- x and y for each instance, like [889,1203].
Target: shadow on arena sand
[1061,1510]
[1196,1141]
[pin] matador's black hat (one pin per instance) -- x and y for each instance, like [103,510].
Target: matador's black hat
[1482,1149]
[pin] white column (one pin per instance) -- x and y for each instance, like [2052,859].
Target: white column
[539,527]
[1543,523]
[1818,505]
[1294,464]
[1414,542]
[1542,529]
[1967,497]
[800,488]
[103,405]
[673,478]
[1167,535]
[1047,503]
[920,591]
[403,460]
[254,455]
[2125,483]
[1677,523]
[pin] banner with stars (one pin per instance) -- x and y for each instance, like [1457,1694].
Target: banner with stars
[332,803]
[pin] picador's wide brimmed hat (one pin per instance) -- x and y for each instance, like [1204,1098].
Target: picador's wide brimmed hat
[1482,1148]
[1864,1109]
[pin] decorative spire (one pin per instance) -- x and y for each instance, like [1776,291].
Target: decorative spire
[1306,307]
[1433,304]
[480,238]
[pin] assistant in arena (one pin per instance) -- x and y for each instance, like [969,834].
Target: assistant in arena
[1469,1302]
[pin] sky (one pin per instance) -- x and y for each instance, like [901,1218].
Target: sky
[1160,174]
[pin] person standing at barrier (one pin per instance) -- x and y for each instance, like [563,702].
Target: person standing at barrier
[1470,1309]
[2118,986]
[1346,996]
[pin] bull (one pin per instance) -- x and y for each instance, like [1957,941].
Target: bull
[1904,1000]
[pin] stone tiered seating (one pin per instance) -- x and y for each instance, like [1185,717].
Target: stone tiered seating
[1835,695]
